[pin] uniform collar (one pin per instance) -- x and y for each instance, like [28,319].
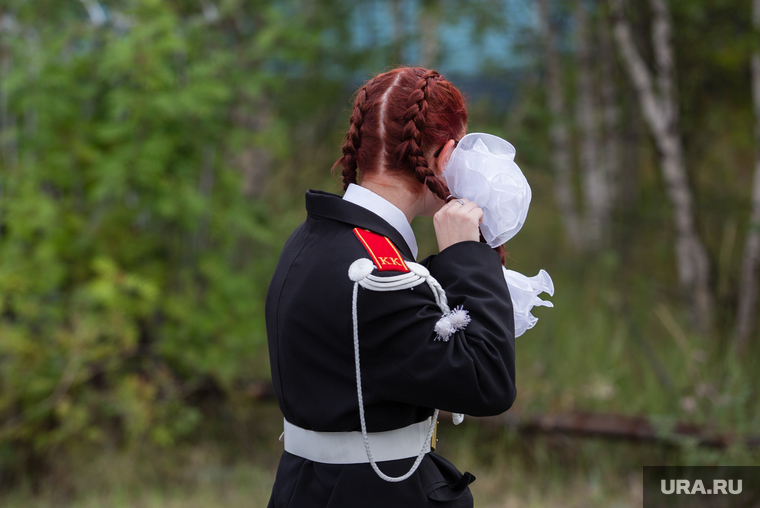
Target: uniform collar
[375,203]
[331,206]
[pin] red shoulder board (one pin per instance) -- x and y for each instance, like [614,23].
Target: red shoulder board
[385,255]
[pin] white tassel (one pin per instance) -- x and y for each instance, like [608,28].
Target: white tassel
[457,418]
[444,329]
[457,319]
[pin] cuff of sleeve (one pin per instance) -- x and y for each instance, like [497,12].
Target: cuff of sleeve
[464,258]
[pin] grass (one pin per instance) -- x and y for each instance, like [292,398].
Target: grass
[211,485]
[617,341]
[526,471]
[600,349]
[203,479]
[512,470]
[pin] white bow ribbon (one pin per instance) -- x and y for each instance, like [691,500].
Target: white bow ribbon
[482,169]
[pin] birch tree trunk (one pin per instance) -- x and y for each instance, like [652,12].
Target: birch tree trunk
[659,106]
[558,133]
[747,304]
[594,185]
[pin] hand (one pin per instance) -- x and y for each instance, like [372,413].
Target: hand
[457,221]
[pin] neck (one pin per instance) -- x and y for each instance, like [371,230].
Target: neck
[398,195]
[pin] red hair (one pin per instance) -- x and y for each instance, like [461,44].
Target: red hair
[400,117]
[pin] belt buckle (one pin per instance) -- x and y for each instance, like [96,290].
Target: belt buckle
[434,436]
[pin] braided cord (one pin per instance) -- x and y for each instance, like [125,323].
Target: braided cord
[439,294]
[355,316]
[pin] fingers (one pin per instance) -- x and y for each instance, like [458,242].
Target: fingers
[478,212]
[457,221]
[472,211]
[463,207]
[458,202]
[466,206]
[469,207]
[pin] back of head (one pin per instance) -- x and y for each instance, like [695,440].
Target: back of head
[400,117]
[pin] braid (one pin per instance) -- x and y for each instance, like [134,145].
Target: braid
[353,139]
[397,117]
[409,151]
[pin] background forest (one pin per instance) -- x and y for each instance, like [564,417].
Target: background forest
[153,161]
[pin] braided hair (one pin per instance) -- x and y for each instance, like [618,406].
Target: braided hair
[399,118]
[353,139]
[410,151]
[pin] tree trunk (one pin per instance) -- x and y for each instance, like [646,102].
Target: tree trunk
[95,11]
[254,161]
[430,44]
[7,147]
[4,72]
[747,305]
[397,20]
[610,155]
[558,133]
[205,188]
[660,111]
[594,185]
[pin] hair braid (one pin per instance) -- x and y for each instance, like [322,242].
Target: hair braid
[409,150]
[353,138]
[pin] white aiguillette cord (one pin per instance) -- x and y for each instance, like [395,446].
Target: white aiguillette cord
[360,273]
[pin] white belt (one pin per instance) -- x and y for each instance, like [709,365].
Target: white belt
[348,447]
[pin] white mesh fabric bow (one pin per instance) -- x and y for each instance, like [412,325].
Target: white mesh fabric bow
[482,169]
[524,292]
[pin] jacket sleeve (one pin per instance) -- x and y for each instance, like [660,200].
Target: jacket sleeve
[474,371]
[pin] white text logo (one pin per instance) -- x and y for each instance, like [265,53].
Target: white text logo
[685,487]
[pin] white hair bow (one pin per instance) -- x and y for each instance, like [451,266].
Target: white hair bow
[482,169]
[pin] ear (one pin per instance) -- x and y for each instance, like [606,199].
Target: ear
[439,164]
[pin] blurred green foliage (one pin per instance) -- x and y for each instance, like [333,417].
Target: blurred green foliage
[152,166]
[134,260]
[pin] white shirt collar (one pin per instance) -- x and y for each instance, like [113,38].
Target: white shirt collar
[365,198]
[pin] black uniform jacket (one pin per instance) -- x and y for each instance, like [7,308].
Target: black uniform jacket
[405,371]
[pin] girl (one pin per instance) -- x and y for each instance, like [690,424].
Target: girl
[346,358]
